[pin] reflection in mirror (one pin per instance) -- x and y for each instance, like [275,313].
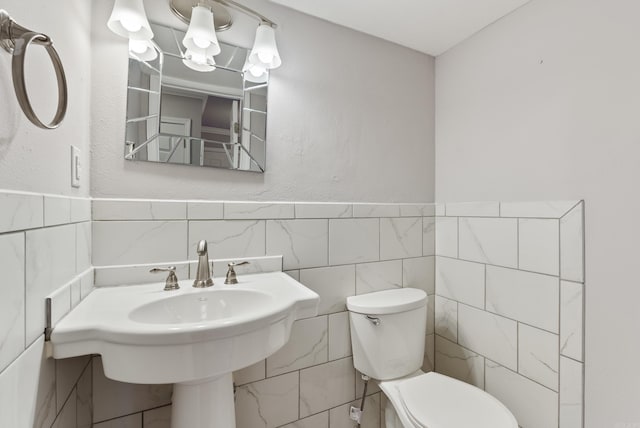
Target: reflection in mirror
[178,115]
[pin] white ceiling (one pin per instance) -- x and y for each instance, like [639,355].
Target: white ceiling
[429,26]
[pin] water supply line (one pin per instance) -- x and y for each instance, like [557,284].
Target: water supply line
[354,412]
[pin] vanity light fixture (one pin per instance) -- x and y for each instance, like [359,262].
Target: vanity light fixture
[128,19]
[198,61]
[255,73]
[205,17]
[142,49]
[201,34]
[265,51]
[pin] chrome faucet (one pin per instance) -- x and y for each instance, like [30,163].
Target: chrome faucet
[203,274]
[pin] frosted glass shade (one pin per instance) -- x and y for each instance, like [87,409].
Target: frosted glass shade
[255,73]
[128,19]
[265,51]
[197,60]
[143,50]
[202,33]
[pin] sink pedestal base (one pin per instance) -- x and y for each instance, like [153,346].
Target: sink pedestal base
[206,403]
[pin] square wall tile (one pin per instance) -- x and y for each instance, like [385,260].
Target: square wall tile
[473,209]
[50,263]
[133,242]
[257,210]
[112,399]
[57,210]
[303,243]
[530,298]
[320,420]
[68,372]
[83,246]
[446,318]
[533,405]
[491,335]
[27,389]
[20,211]
[447,236]
[322,210]
[461,280]
[376,210]
[572,245]
[459,363]
[228,239]
[419,273]
[268,403]
[544,209]
[489,240]
[80,210]
[157,418]
[539,246]
[307,346]
[428,236]
[131,421]
[571,393]
[138,209]
[253,373]
[339,336]
[205,210]
[378,276]
[325,386]
[67,416]
[538,355]
[400,237]
[354,241]
[572,320]
[12,304]
[333,284]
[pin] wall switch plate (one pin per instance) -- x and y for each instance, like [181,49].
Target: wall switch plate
[75,166]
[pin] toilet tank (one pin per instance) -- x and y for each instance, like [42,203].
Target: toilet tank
[388,332]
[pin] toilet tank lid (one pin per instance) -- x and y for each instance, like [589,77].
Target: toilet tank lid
[387,301]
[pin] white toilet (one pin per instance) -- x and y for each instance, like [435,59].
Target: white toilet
[387,333]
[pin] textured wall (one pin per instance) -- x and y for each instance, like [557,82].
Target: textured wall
[33,159]
[543,105]
[350,119]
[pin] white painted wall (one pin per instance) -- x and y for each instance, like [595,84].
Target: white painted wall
[33,159]
[544,105]
[350,119]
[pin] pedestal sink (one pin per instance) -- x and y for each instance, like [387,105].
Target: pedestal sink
[194,338]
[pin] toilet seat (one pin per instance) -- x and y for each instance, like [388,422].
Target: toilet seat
[432,400]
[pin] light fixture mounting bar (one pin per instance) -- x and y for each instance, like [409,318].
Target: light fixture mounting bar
[242,8]
[223,21]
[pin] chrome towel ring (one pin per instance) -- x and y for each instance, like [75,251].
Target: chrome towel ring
[15,39]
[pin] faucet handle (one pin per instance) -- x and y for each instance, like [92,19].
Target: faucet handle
[172,279]
[231,273]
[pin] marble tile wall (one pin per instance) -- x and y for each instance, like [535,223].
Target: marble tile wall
[45,252]
[336,249]
[509,305]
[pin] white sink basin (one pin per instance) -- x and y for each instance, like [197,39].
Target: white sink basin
[224,306]
[147,335]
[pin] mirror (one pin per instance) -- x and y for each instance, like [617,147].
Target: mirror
[181,116]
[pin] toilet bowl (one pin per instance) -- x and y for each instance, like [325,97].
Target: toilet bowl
[387,334]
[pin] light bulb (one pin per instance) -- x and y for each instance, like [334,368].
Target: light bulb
[265,57]
[138,46]
[131,24]
[256,71]
[201,43]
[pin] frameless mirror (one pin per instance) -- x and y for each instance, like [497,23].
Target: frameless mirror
[210,119]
